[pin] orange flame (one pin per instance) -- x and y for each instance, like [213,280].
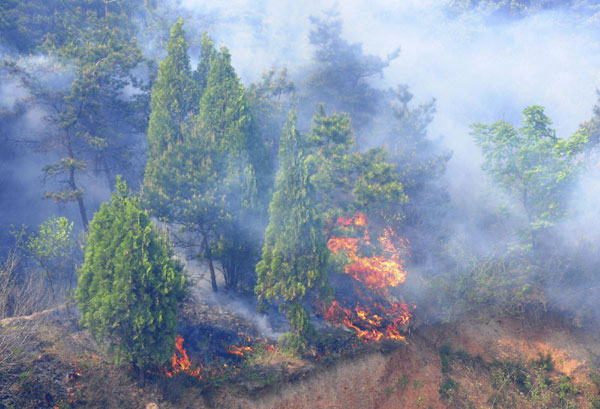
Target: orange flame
[377,272]
[239,351]
[180,361]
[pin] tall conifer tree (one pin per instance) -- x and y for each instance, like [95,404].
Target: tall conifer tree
[174,94]
[225,122]
[295,251]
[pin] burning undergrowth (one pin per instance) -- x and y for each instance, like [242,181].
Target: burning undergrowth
[211,349]
[211,353]
[372,265]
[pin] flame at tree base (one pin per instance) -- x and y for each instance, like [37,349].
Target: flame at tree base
[181,363]
[383,269]
[371,324]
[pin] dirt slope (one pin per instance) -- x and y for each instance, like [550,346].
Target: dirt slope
[493,363]
[481,360]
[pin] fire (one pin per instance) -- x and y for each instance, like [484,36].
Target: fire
[239,351]
[180,361]
[379,271]
[371,323]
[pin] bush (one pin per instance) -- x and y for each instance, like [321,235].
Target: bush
[130,286]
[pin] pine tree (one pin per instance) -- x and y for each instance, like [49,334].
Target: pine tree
[91,126]
[295,251]
[129,285]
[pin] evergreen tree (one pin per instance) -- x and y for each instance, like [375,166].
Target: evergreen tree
[225,122]
[341,74]
[129,285]
[207,55]
[174,95]
[183,188]
[349,181]
[271,99]
[214,181]
[419,163]
[92,129]
[295,252]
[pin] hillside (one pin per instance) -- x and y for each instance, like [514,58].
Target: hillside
[476,363]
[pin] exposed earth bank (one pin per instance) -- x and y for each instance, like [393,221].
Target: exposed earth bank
[475,363]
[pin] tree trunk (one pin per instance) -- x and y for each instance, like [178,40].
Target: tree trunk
[82,211]
[213,278]
[109,179]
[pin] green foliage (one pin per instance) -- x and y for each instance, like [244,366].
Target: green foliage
[215,176]
[532,165]
[482,284]
[402,381]
[91,128]
[544,361]
[55,251]
[446,357]
[319,179]
[226,121]
[244,172]
[348,181]
[448,388]
[208,54]
[271,98]
[295,251]
[129,285]
[174,95]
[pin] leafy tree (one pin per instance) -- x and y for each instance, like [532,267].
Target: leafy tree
[55,250]
[532,165]
[319,179]
[182,188]
[129,285]
[177,180]
[35,24]
[207,55]
[295,252]
[349,181]
[271,99]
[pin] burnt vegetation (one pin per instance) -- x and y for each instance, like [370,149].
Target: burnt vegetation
[186,230]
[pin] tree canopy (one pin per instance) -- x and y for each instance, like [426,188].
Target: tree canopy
[532,165]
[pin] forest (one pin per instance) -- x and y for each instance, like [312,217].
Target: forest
[201,197]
